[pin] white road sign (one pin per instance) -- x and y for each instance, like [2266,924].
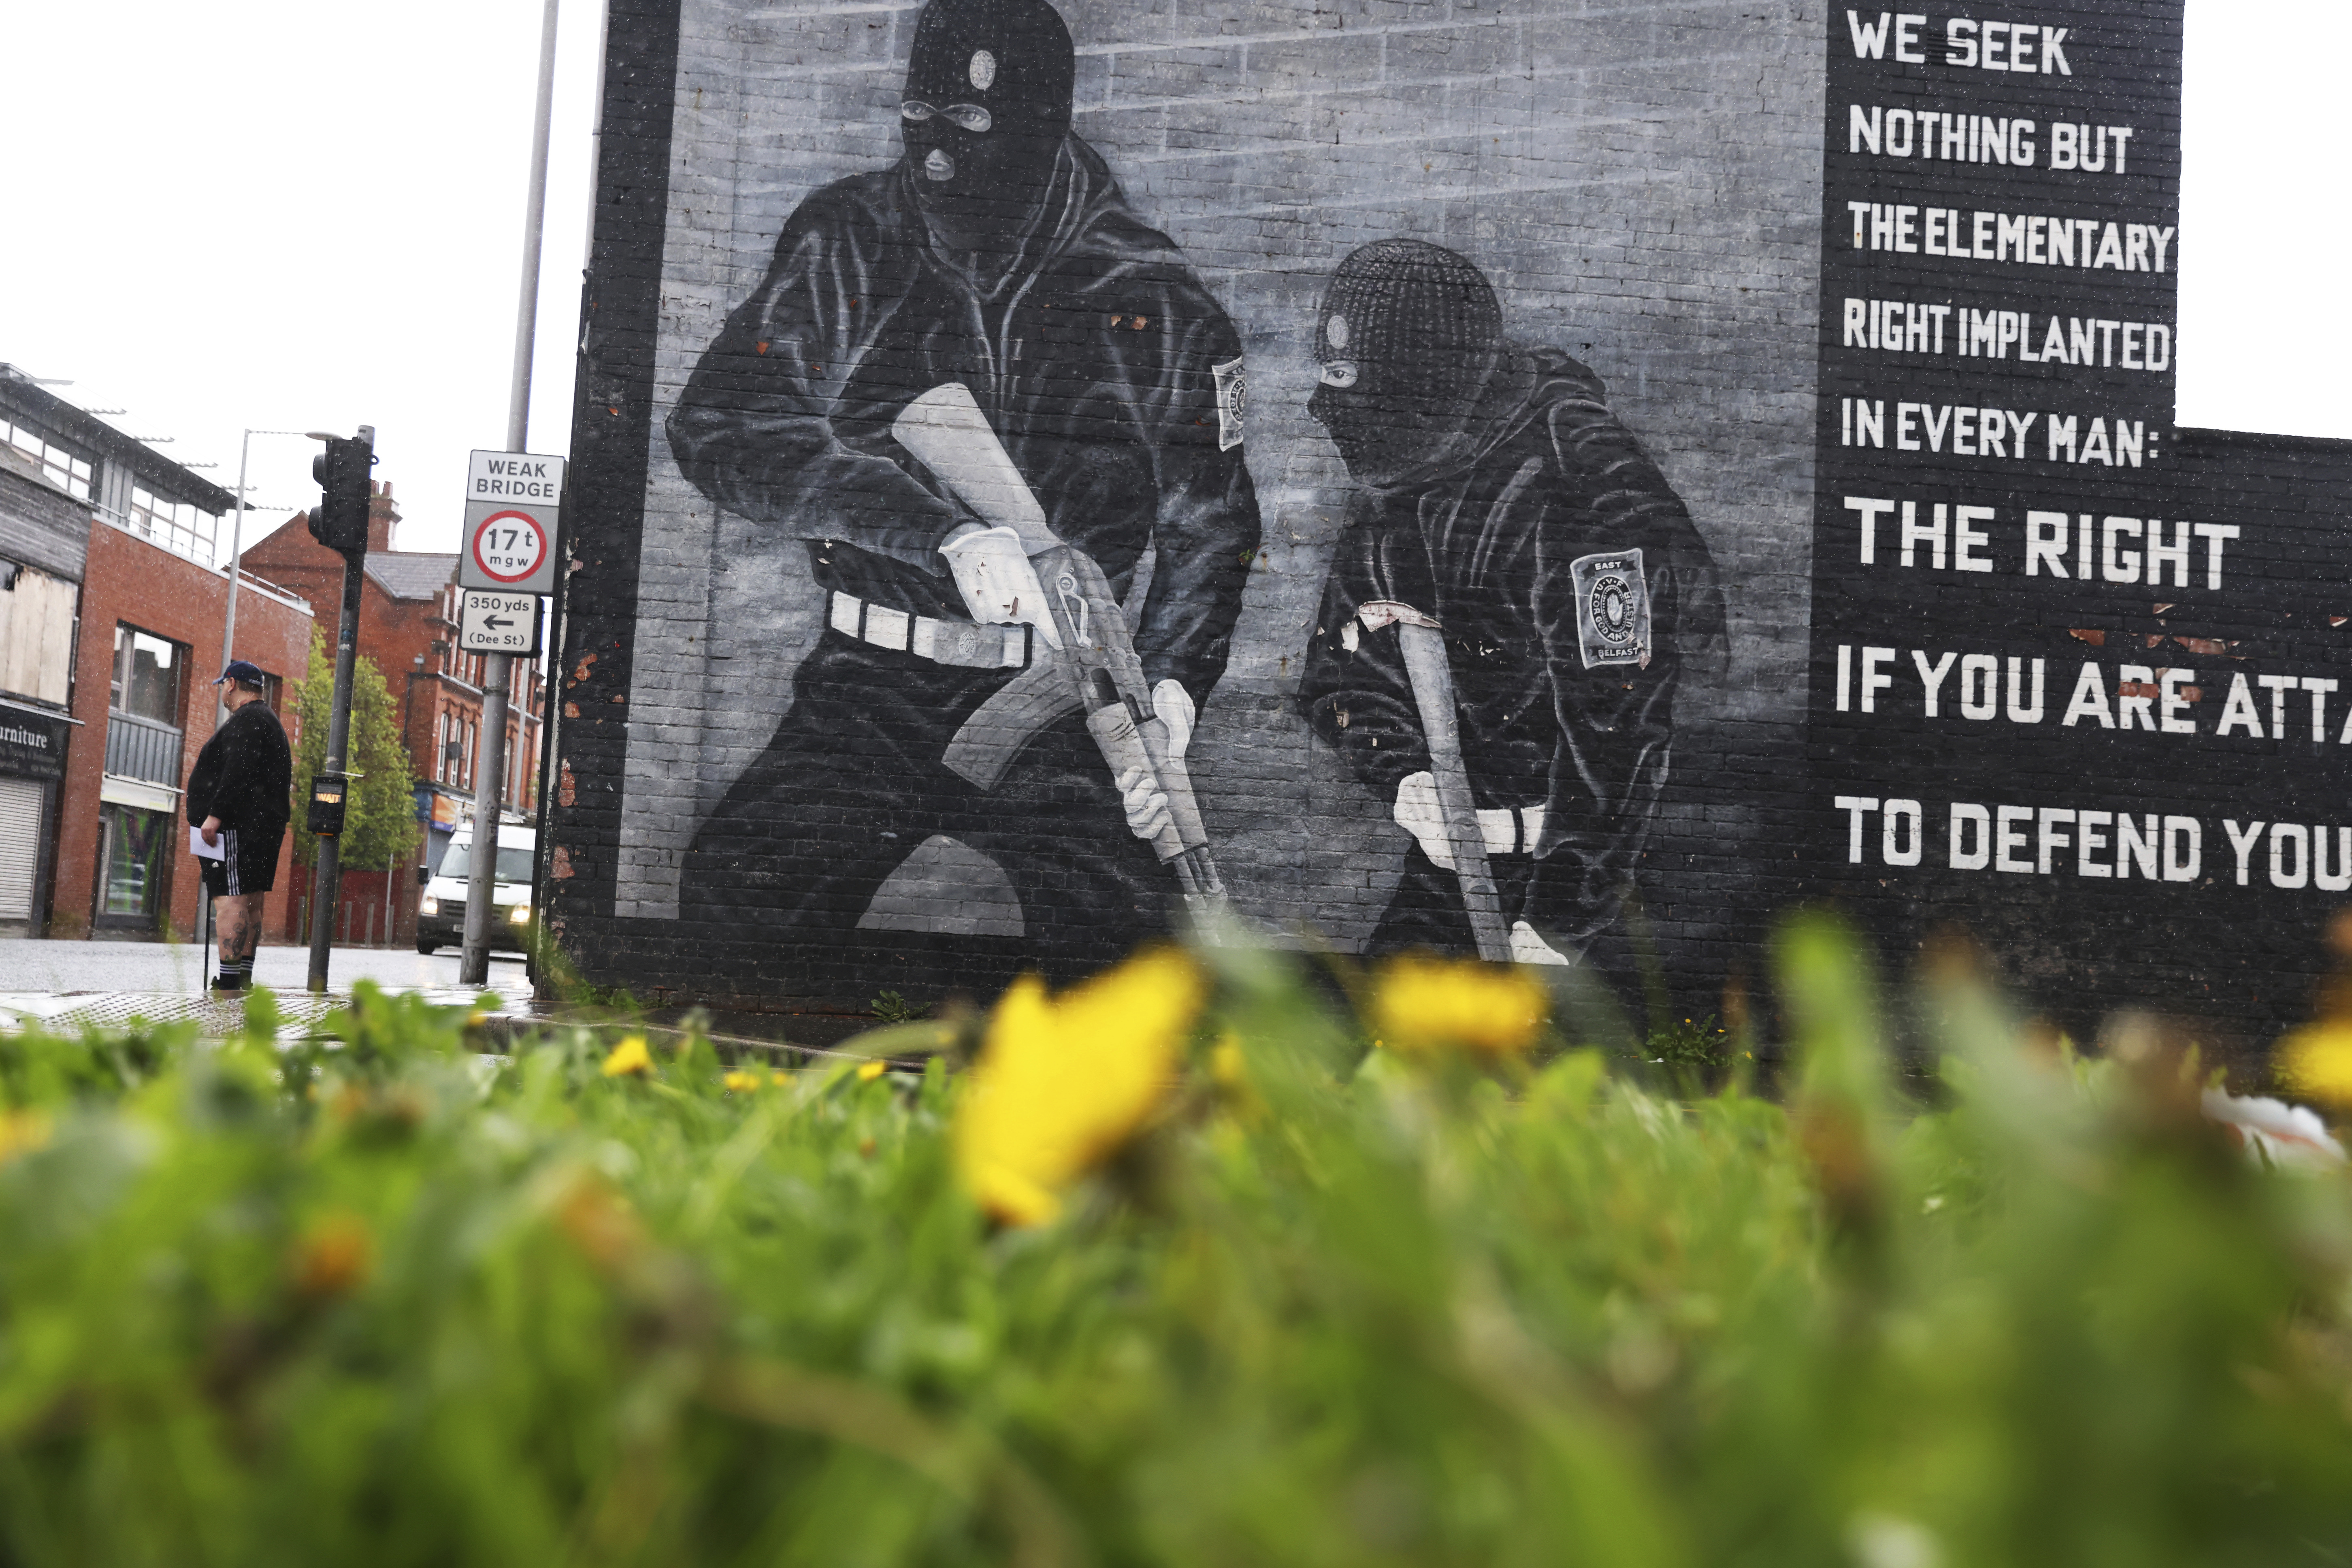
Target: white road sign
[515,478]
[511,504]
[490,622]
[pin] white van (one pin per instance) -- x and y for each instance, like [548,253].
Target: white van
[441,913]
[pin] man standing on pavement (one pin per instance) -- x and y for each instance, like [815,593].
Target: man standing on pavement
[998,253]
[1503,509]
[239,798]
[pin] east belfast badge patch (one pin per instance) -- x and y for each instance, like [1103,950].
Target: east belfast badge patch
[1612,598]
[1232,397]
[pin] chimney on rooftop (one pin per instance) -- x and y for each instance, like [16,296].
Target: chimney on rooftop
[382,516]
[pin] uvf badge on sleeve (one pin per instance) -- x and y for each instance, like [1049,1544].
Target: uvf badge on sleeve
[1232,397]
[1613,602]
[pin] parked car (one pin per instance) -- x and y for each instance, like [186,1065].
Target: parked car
[441,912]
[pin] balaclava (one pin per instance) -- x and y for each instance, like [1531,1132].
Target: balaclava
[1409,333]
[994,80]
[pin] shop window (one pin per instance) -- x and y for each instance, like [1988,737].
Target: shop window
[131,875]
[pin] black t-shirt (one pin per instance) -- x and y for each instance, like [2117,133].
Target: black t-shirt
[1102,362]
[244,774]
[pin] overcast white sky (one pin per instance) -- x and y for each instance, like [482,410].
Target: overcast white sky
[288,215]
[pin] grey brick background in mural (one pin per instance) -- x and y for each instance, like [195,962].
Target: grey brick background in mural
[1640,182]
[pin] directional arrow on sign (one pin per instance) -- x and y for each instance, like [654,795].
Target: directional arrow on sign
[495,622]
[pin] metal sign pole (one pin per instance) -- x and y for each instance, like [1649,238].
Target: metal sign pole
[236,552]
[490,766]
[236,568]
[327,874]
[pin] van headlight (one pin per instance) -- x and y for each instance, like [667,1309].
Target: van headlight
[428,905]
[520,914]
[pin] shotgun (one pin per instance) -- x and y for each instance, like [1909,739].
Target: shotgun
[1432,692]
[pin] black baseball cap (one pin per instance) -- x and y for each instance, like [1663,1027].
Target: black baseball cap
[241,670]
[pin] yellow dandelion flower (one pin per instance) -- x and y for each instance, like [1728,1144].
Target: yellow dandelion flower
[868,1072]
[1431,1005]
[1229,1071]
[600,1222]
[22,1132]
[742,1082]
[1063,1082]
[629,1056]
[1228,1068]
[334,1257]
[2316,1061]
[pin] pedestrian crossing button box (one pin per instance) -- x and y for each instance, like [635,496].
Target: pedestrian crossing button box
[327,793]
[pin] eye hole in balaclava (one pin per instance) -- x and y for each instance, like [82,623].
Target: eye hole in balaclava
[1408,335]
[986,105]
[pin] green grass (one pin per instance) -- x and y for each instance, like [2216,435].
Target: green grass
[397,1302]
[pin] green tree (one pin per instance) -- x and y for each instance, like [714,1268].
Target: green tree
[380,815]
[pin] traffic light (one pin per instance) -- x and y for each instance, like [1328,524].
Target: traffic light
[339,521]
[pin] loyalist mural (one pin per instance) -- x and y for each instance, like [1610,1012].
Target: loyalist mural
[1005,414]
[1483,477]
[1104,473]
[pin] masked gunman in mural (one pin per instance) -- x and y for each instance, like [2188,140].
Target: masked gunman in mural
[1515,600]
[1005,416]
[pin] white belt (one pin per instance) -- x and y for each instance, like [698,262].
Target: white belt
[1507,831]
[966,644]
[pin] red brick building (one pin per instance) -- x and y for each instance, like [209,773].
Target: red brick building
[113,633]
[44,541]
[151,641]
[408,627]
[110,633]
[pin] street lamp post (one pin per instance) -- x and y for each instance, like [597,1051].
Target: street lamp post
[237,551]
[474,956]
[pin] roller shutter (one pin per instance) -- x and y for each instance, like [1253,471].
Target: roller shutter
[20,845]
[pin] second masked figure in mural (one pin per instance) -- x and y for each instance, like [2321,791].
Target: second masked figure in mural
[968,381]
[1516,598]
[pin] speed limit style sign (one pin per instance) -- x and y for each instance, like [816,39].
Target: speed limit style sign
[512,501]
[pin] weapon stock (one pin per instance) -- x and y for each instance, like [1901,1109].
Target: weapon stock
[1095,668]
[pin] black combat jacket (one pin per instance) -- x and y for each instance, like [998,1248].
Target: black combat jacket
[1094,349]
[1516,537]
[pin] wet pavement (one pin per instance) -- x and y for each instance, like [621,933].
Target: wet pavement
[74,985]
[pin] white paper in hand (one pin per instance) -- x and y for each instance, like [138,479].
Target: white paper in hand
[197,846]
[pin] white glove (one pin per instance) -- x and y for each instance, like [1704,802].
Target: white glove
[1000,587]
[1174,706]
[1527,947]
[1147,808]
[1418,813]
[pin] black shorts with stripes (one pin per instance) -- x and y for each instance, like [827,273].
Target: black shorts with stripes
[248,862]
